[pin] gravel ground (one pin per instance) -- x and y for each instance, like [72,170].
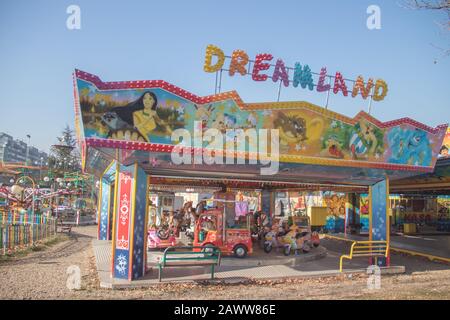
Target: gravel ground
[42,275]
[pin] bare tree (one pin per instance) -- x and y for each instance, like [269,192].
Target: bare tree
[437,5]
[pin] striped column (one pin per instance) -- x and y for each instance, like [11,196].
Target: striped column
[106,201]
[130,229]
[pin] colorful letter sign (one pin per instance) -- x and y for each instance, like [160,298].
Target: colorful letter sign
[302,76]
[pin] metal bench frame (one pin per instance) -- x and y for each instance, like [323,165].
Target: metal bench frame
[65,227]
[369,248]
[211,257]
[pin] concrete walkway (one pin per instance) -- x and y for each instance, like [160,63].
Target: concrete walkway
[435,247]
[227,272]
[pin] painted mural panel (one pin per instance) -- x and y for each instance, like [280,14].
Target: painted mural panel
[135,115]
[444,151]
[335,203]
[443,207]
[409,145]
[305,130]
[364,212]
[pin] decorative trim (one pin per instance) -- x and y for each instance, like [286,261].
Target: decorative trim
[155,147]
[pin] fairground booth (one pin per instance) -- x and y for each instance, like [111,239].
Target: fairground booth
[148,138]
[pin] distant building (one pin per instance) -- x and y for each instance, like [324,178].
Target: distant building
[14,150]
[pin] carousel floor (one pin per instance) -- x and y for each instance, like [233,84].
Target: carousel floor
[259,266]
[258,258]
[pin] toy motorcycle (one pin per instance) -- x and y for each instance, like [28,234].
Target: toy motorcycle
[161,238]
[315,239]
[269,241]
[189,231]
[296,241]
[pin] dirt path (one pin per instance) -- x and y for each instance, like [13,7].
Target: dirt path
[42,275]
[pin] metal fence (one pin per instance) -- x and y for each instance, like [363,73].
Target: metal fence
[18,236]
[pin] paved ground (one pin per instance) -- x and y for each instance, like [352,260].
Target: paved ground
[433,244]
[42,275]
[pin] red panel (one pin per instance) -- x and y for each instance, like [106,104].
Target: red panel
[124,211]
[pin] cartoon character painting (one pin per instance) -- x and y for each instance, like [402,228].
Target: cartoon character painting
[119,128]
[230,121]
[335,203]
[219,122]
[365,140]
[443,152]
[409,146]
[292,129]
[333,147]
[136,120]
[334,140]
[203,113]
[251,121]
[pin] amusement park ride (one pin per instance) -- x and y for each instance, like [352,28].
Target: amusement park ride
[30,192]
[124,130]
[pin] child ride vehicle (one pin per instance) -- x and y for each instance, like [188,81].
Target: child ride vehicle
[295,238]
[304,225]
[270,240]
[160,238]
[210,230]
[295,241]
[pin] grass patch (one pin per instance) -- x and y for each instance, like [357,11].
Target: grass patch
[37,247]
[56,239]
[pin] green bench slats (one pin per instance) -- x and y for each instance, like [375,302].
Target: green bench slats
[189,256]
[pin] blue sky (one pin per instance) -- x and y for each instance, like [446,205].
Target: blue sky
[140,40]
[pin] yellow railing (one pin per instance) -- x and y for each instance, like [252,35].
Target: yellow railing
[366,249]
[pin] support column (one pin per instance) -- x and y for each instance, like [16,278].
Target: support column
[130,229]
[105,194]
[268,202]
[351,212]
[105,202]
[379,216]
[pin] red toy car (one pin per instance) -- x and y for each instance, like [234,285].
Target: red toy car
[210,230]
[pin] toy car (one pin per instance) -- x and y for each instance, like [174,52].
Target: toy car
[210,230]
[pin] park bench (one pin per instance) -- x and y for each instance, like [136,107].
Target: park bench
[366,249]
[65,227]
[189,256]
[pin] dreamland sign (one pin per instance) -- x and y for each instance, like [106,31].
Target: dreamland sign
[303,76]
